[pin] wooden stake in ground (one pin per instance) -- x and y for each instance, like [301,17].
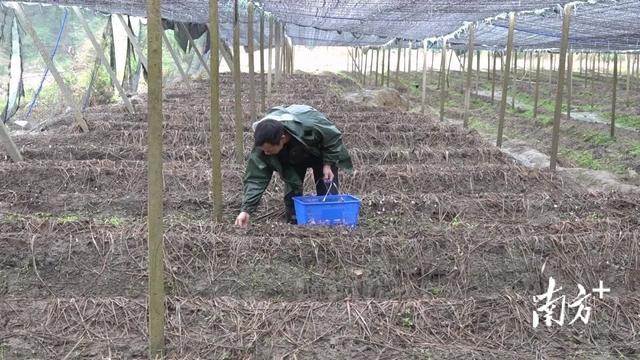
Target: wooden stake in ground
[263,90]
[505,79]
[424,78]
[615,89]
[628,77]
[564,44]
[371,64]
[64,89]
[383,67]
[389,68]
[398,66]
[238,85]
[409,57]
[155,189]
[214,84]
[493,78]
[467,89]
[477,71]
[377,63]
[569,83]
[8,143]
[443,88]
[250,48]
[277,53]
[364,70]
[269,67]
[537,91]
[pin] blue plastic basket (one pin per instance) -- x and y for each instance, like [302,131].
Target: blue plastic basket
[334,210]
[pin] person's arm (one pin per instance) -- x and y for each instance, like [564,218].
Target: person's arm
[256,179]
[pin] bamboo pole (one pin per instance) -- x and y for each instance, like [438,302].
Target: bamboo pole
[277,53]
[283,48]
[64,89]
[371,64]
[383,67]
[489,65]
[467,90]
[263,91]
[214,84]
[239,138]
[561,69]
[377,63]
[424,79]
[250,47]
[537,91]
[615,90]
[155,183]
[628,60]
[364,70]
[409,57]
[477,71]
[443,88]
[505,79]
[515,79]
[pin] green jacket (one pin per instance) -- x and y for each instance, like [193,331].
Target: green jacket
[312,129]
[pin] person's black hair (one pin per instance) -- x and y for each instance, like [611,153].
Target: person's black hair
[268,131]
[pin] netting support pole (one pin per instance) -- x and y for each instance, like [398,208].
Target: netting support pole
[384,53]
[515,79]
[194,46]
[364,69]
[251,50]
[377,62]
[283,62]
[134,41]
[371,64]
[398,65]
[628,60]
[505,79]
[477,72]
[569,83]
[593,79]
[536,95]
[8,143]
[564,44]
[493,78]
[586,70]
[409,60]
[105,63]
[443,88]
[176,58]
[424,79]
[239,138]
[615,91]
[214,84]
[263,85]
[64,89]
[389,67]
[270,55]
[155,182]
[276,53]
[467,87]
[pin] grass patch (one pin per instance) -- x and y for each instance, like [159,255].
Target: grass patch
[630,121]
[583,158]
[598,138]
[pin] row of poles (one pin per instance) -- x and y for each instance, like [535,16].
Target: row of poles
[367,63]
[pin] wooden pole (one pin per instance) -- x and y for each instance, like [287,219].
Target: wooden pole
[515,79]
[103,59]
[477,71]
[175,58]
[239,138]
[398,66]
[155,182]
[537,91]
[364,70]
[371,64]
[493,79]
[269,67]
[593,80]
[251,49]
[628,60]
[263,85]
[505,79]
[409,57]
[8,143]
[377,69]
[569,83]
[615,90]
[561,69]
[389,67]
[424,79]
[214,84]
[443,88]
[134,41]
[467,90]
[64,89]
[489,65]
[383,67]
[283,48]
[277,53]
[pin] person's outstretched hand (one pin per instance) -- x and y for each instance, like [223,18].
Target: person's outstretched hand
[243,219]
[328,173]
